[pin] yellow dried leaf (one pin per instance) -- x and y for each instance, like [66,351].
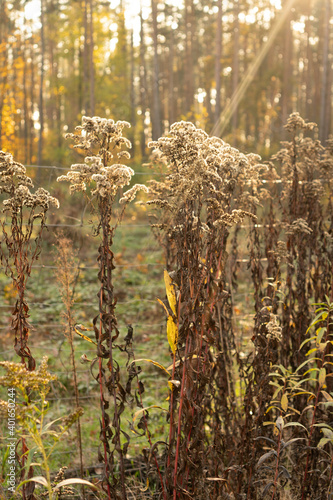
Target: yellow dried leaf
[137,413]
[163,306]
[322,376]
[284,402]
[172,333]
[152,362]
[173,383]
[81,334]
[170,291]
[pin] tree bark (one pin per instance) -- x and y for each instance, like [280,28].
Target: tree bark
[91,61]
[235,69]
[132,91]
[156,110]
[85,60]
[143,86]
[325,95]
[41,88]
[287,75]
[218,56]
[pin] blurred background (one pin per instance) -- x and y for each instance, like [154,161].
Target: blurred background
[236,68]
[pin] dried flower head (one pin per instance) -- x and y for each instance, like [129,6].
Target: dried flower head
[15,182]
[18,376]
[102,139]
[299,226]
[295,121]
[205,173]
[274,330]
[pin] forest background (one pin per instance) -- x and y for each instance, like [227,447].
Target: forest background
[153,63]
[236,69]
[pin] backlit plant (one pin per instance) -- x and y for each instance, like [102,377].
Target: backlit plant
[101,177]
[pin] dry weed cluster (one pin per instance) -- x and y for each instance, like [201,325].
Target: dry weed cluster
[244,422]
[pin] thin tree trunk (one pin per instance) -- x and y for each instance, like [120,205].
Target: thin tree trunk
[133,108]
[143,85]
[25,102]
[235,69]
[309,69]
[85,96]
[91,60]
[32,100]
[287,89]
[41,89]
[325,98]
[189,92]
[156,111]
[218,56]
[171,100]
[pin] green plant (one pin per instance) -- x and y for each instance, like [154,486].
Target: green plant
[31,389]
[303,399]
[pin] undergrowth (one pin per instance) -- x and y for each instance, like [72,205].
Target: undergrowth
[242,420]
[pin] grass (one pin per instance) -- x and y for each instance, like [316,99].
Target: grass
[136,289]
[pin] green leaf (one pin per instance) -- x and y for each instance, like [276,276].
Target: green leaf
[277,392]
[291,441]
[319,334]
[327,396]
[31,453]
[295,424]
[302,364]
[306,341]
[323,426]
[327,433]
[323,442]
[265,457]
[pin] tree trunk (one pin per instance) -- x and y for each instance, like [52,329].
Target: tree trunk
[133,108]
[235,70]
[287,75]
[325,97]
[156,110]
[143,86]
[171,100]
[85,60]
[218,56]
[189,87]
[25,103]
[91,61]
[41,89]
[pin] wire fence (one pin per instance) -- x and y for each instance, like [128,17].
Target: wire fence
[40,347]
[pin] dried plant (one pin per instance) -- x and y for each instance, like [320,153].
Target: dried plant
[101,141]
[209,187]
[20,245]
[67,276]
